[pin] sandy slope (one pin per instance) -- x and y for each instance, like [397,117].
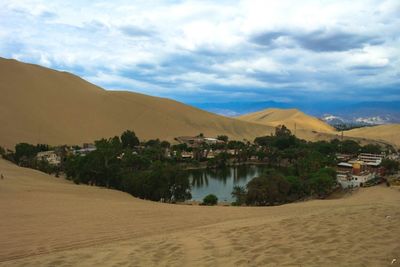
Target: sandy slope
[46,221]
[46,106]
[291,118]
[40,105]
[388,133]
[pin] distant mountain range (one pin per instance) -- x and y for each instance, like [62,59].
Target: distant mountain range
[360,121]
[360,113]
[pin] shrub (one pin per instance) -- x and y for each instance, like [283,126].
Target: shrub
[210,200]
[372,148]
[270,188]
[350,147]
[391,166]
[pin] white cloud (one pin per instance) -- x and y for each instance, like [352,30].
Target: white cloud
[170,47]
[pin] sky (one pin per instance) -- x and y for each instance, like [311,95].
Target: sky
[215,51]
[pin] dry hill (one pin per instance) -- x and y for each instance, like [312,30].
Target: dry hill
[40,105]
[291,118]
[387,133]
[47,221]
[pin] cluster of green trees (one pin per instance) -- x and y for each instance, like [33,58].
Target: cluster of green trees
[25,153]
[25,156]
[143,171]
[164,182]
[274,188]
[299,169]
[122,163]
[350,126]
[284,149]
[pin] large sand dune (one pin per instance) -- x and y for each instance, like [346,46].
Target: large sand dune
[47,221]
[291,118]
[40,105]
[388,133]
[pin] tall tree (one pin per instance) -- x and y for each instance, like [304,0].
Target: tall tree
[223,138]
[281,130]
[24,153]
[129,139]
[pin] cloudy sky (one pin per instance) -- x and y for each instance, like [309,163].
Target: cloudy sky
[215,51]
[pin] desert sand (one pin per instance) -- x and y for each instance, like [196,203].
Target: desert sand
[291,118]
[48,221]
[389,133]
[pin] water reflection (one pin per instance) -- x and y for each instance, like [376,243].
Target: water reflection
[198,178]
[221,181]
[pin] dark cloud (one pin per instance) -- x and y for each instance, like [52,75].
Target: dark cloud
[267,38]
[321,40]
[363,70]
[135,31]
[367,67]
[324,41]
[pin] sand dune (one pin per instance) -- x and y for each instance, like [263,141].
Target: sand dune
[40,105]
[291,118]
[389,133]
[307,126]
[47,221]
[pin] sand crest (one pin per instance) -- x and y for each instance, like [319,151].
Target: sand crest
[292,118]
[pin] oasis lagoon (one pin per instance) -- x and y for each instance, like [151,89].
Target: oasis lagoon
[221,181]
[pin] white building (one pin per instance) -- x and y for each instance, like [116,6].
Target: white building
[370,159]
[211,154]
[213,141]
[393,156]
[348,180]
[50,156]
[187,155]
[353,174]
[84,151]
